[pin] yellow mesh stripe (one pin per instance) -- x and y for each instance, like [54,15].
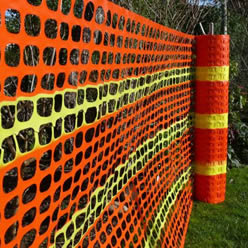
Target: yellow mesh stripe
[213,73]
[211,121]
[211,169]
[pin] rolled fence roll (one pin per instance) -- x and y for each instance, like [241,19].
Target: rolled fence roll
[211,117]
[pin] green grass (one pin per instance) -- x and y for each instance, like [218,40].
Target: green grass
[226,224]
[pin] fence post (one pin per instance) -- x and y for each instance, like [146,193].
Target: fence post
[211,117]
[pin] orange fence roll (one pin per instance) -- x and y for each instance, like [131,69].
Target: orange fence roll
[211,117]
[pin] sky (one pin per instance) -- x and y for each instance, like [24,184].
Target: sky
[204,2]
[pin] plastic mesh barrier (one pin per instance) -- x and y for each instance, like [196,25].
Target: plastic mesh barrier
[96,130]
[211,118]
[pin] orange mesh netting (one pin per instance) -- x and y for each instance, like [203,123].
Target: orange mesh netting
[96,130]
[211,118]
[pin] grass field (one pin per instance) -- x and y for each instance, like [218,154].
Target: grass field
[224,225]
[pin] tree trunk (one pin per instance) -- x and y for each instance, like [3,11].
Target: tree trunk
[224,17]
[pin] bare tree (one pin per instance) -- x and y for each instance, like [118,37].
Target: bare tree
[183,15]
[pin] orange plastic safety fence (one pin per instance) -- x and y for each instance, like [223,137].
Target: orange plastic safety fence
[96,131]
[211,121]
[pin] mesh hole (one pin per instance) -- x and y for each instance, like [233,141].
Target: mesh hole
[57,174]
[91,94]
[91,115]
[58,103]
[66,6]
[11,207]
[77,237]
[112,40]
[29,194]
[85,57]
[55,214]
[29,83]
[45,183]
[95,58]
[63,56]
[73,78]
[28,217]
[115,21]
[57,152]
[82,202]
[121,23]
[12,55]
[11,233]
[28,239]
[100,15]
[10,180]
[65,202]
[26,140]
[44,225]
[79,158]
[106,39]
[74,57]
[35,2]
[31,55]
[49,56]
[68,146]
[45,204]
[52,4]
[25,110]
[13,21]
[120,41]
[79,139]
[69,231]
[93,76]
[76,33]
[108,21]
[51,28]
[70,100]
[77,176]
[110,58]
[70,123]
[80,97]
[97,37]
[45,160]
[56,195]
[86,35]
[80,118]
[64,31]
[133,26]
[62,221]
[10,86]
[45,106]
[58,128]
[45,134]
[8,116]
[47,82]
[68,166]
[78,8]
[60,240]
[80,220]
[61,79]
[89,11]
